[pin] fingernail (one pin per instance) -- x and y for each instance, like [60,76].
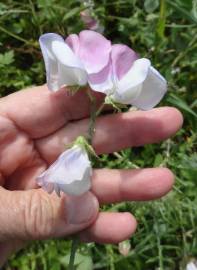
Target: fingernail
[81,209]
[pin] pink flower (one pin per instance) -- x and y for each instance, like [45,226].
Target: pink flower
[130,80]
[113,70]
[72,61]
[91,22]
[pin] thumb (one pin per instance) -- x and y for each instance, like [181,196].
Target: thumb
[34,214]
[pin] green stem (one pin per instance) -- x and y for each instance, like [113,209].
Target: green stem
[18,37]
[93,115]
[162,19]
[74,247]
[110,253]
[91,130]
[100,109]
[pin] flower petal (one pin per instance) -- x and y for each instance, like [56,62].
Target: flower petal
[64,54]
[130,86]
[102,81]
[78,187]
[153,90]
[94,51]
[73,42]
[50,60]
[62,66]
[122,59]
[70,66]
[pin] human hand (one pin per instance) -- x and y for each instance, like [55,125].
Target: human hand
[35,126]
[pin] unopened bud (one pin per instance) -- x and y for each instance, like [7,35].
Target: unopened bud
[124,247]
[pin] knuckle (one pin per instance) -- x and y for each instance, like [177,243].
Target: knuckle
[38,215]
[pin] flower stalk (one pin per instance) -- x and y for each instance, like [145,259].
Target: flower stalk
[90,60]
[74,247]
[93,115]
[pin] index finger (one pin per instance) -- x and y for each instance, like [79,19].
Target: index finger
[39,112]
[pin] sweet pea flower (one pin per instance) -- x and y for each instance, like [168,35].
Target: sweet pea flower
[113,70]
[129,80]
[70,173]
[91,22]
[72,61]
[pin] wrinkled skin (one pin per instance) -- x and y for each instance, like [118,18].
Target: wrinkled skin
[35,125]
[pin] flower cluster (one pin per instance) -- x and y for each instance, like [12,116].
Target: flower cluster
[114,70]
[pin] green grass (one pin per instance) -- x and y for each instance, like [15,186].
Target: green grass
[165,32]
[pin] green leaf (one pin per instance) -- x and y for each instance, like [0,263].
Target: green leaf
[174,100]
[158,160]
[6,58]
[71,13]
[162,19]
[194,9]
[183,11]
[151,5]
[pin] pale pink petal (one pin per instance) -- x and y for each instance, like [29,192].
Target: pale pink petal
[122,59]
[102,81]
[94,51]
[73,42]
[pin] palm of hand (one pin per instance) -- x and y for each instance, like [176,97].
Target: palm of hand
[35,125]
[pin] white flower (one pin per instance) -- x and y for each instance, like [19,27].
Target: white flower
[70,173]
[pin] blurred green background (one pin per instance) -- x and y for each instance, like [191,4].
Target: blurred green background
[166,32]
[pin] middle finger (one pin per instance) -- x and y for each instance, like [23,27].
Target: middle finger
[115,132]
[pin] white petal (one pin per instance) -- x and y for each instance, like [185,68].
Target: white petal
[68,76]
[78,187]
[129,87]
[50,60]
[65,55]
[62,66]
[153,90]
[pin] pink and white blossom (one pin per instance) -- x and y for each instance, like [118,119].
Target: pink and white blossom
[131,80]
[115,70]
[72,61]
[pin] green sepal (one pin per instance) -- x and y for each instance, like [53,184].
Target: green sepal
[83,143]
[115,105]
